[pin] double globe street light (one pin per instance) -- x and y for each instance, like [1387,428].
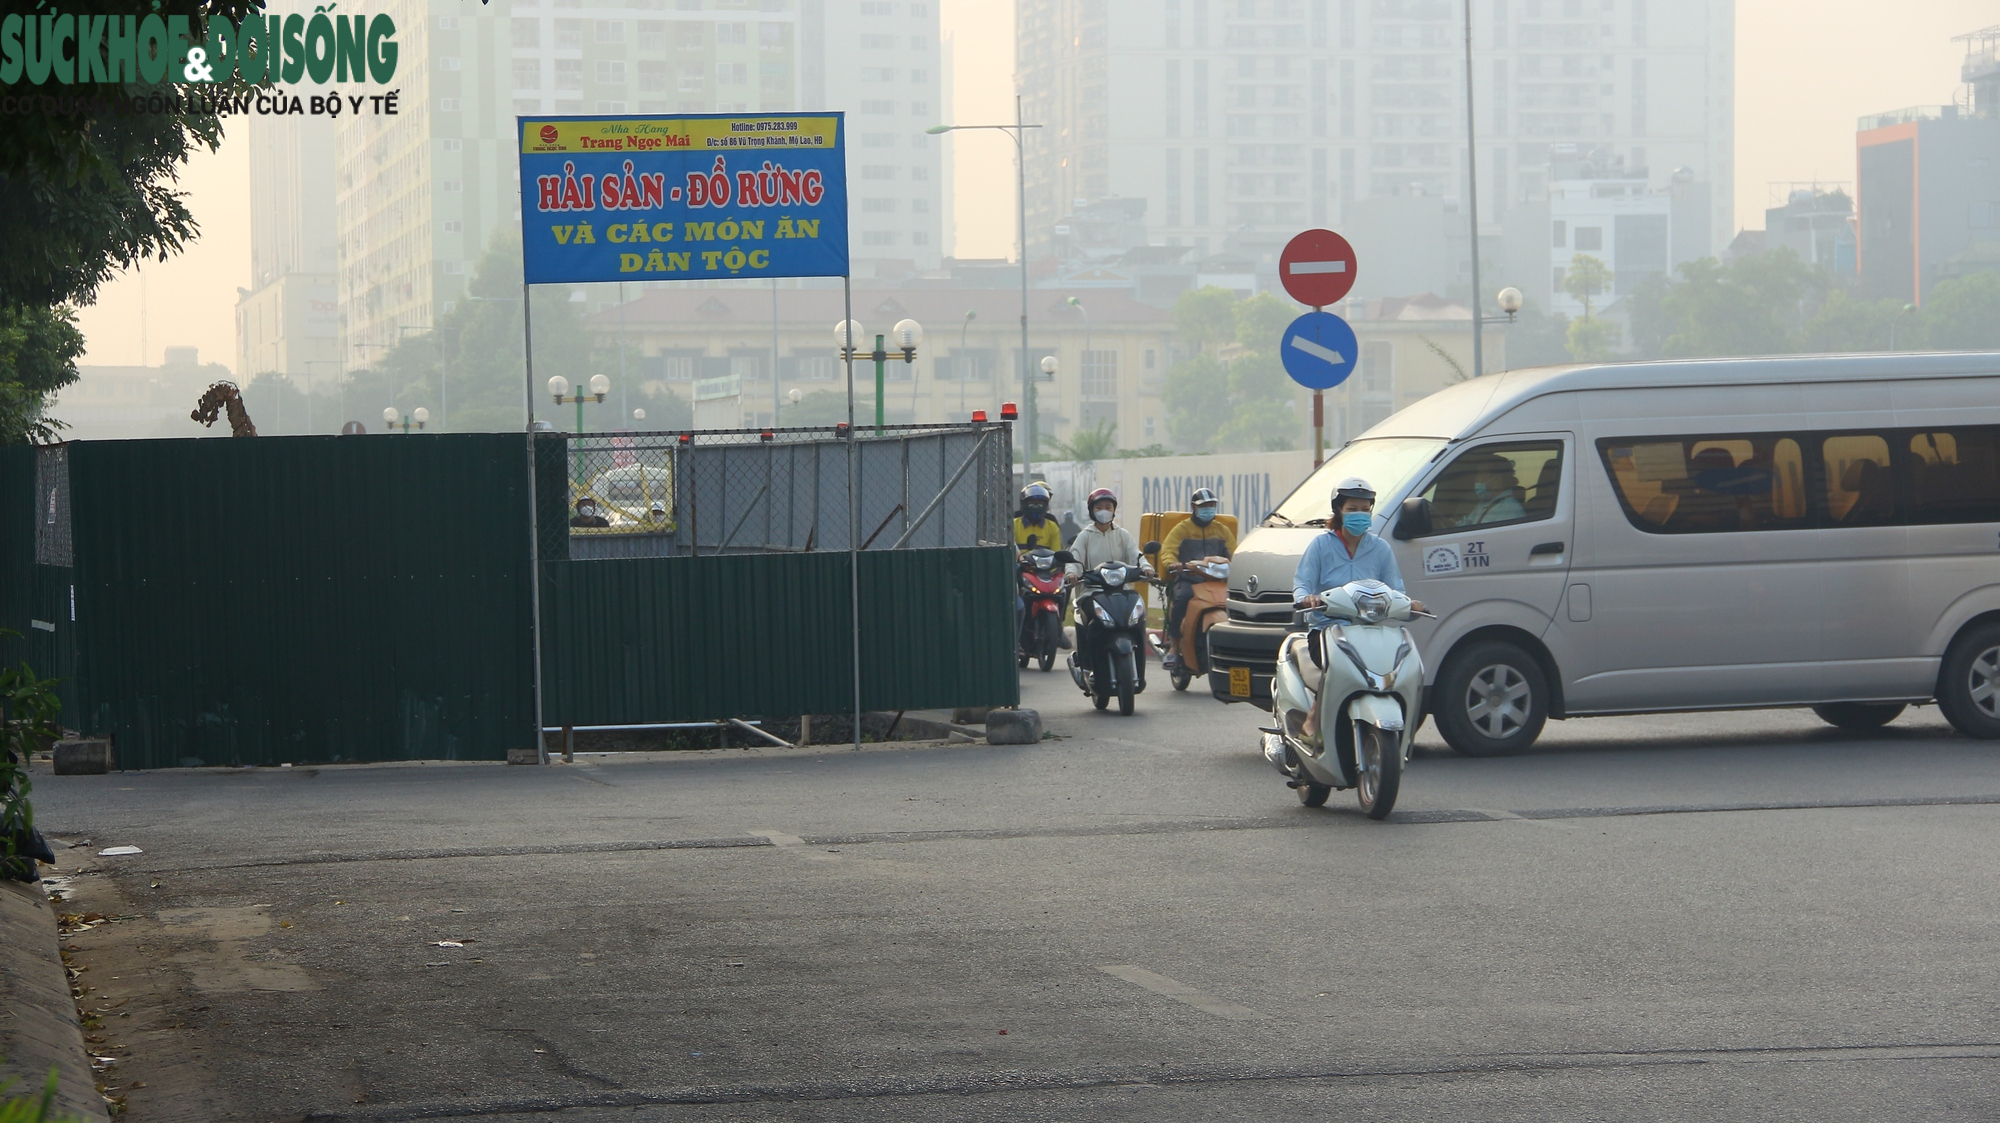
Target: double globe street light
[392,418]
[906,334]
[559,390]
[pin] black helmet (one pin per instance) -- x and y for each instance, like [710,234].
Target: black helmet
[1202,497]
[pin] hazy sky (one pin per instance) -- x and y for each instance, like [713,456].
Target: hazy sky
[1805,70]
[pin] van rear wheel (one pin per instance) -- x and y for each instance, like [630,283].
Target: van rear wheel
[1859,716]
[1492,699]
[1969,683]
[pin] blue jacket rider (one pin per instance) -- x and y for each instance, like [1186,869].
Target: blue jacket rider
[1351,552]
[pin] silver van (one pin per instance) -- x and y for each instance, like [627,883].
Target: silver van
[1697,535]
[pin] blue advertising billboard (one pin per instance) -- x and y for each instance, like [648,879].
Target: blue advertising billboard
[683,198]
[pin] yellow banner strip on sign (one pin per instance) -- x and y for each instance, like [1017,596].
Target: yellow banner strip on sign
[664,134]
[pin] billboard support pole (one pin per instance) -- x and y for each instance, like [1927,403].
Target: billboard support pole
[853,508]
[534,526]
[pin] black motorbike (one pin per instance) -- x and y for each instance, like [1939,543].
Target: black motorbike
[1111,638]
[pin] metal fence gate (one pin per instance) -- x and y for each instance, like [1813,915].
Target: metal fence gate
[691,576]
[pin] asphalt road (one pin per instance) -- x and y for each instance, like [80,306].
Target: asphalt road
[1727,916]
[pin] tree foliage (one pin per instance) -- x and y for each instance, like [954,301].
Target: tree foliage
[39,345]
[1774,304]
[1084,445]
[1245,402]
[86,192]
[1585,279]
[468,371]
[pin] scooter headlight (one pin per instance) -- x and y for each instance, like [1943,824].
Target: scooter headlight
[1101,614]
[1373,608]
[1138,612]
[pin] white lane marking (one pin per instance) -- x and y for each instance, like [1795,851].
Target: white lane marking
[1316,350]
[778,838]
[1306,268]
[1175,989]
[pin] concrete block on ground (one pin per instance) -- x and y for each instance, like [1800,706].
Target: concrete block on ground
[38,1025]
[523,756]
[1013,727]
[84,756]
[970,715]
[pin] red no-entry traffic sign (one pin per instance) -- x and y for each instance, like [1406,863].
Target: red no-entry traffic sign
[1317,268]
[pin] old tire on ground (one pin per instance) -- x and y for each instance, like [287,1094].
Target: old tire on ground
[1969,683]
[1859,716]
[1491,699]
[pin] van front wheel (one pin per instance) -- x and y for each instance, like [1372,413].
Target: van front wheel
[1492,699]
[1969,683]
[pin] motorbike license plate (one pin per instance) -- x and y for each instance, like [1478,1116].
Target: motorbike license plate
[1239,682]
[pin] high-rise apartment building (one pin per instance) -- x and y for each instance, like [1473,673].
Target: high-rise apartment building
[422,194]
[1242,121]
[287,320]
[880,60]
[1928,206]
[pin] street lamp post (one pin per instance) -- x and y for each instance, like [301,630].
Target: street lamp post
[1078,305]
[1893,320]
[1510,300]
[1015,130]
[310,364]
[964,364]
[444,373]
[559,388]
[417,419]
[907,333]
[1472,203]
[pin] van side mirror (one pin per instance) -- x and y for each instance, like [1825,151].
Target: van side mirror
[1150,548]
[1415,519]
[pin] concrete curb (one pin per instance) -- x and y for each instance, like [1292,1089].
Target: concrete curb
[38,1026]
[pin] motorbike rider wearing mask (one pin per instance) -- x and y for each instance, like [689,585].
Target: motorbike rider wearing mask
[1192,540]
[1101,542]
[1034,528]
[1349,551]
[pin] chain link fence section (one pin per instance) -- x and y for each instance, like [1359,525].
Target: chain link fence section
[52,523]
[750,491]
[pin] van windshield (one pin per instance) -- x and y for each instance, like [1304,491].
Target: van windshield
[1387,463]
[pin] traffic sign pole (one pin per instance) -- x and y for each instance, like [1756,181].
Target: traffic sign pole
[1317,268]
[1319,427]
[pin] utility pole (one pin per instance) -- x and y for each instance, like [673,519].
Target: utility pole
[1472,203]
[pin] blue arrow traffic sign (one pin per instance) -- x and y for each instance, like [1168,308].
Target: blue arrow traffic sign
[1319,350]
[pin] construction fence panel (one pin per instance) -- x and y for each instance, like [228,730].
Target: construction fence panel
[303,599]
[706,574]
[17,552]
[785,491]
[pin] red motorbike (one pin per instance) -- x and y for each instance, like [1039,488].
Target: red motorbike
[1041,590]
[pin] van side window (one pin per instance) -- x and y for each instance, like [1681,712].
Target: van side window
[1860,489]
[1494,485]
[1954,477]
[1708,485]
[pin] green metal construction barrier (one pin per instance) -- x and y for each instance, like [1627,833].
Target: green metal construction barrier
[641,640]
[303,598]
[317,599]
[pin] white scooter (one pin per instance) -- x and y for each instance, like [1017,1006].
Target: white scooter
[1369,699]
